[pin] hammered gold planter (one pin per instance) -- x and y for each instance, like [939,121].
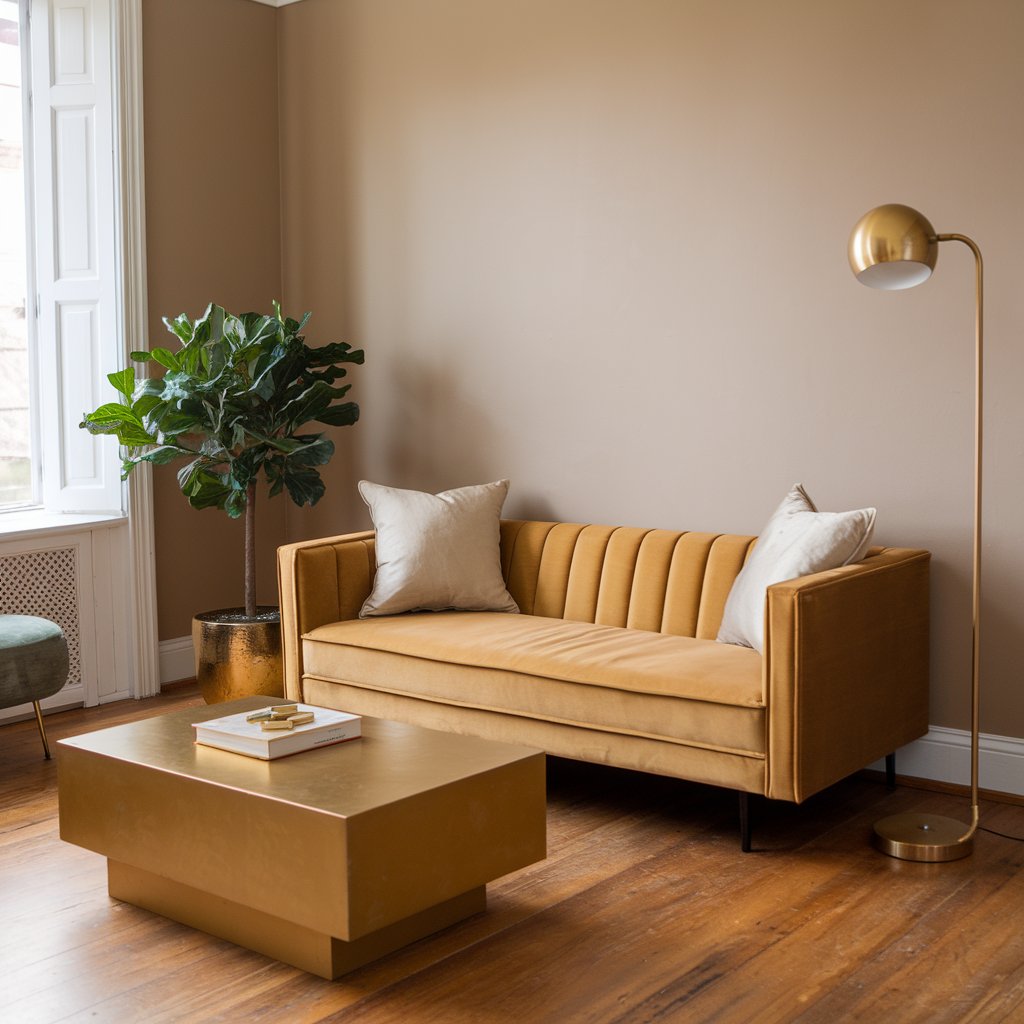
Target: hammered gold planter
[237,656]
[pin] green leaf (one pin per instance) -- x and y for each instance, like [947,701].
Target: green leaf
[143,405]
[139,357]
[205,489]
[317,453]
[245,468]
[120,420]
[217,318]
[103,427]
[234,503]
[169,422]
[263,383]
[165,357]
[343,415]
[112,412]
[191,357]
[281,444]
[186,473]
[123,380]
[216,361]
[260,328]
[181,327]
[329,374]
[178,385]
[163,454]
[202,328]
[304,485]
[149,386]
[337,352]
[308,404]
[273,466]
[129,435]
[233,332]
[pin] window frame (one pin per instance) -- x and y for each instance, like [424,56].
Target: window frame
[34,501]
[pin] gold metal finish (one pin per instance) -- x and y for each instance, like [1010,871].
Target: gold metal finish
[374,840]
[236,657]
[894,246]
[42,729]
[275,937]
[923,837]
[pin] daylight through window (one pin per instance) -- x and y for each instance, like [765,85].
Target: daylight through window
[16,477]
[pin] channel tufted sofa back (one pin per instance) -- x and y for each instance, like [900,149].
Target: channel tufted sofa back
[659,580]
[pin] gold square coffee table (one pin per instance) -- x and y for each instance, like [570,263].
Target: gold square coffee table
[326,859]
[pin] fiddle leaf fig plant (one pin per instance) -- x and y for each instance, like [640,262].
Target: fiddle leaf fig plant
[233,401]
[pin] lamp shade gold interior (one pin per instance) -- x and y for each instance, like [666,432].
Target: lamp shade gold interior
[892,247]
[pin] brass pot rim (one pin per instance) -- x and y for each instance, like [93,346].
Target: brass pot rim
[265,614]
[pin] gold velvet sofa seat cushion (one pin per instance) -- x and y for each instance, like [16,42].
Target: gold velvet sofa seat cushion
[680,689]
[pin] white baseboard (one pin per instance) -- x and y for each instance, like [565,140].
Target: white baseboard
[176,659]
[70,697]
[944,755]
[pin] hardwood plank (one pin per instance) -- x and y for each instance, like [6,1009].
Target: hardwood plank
[645,910]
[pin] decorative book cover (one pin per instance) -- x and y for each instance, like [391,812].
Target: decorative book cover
[234,733]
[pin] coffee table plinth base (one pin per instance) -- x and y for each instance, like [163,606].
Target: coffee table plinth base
[324,955]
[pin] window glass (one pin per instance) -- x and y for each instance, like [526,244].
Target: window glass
[16,475]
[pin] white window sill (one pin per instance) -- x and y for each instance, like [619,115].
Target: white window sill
[36,522]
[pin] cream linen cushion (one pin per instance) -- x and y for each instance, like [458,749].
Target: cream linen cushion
[437,551]
[797,541]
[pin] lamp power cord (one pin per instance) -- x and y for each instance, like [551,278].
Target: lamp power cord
[1002,835]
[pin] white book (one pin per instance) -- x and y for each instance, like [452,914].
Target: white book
[234,733]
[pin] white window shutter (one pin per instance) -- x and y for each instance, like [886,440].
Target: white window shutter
[77,319]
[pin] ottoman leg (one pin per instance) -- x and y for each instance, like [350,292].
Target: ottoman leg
[42,730]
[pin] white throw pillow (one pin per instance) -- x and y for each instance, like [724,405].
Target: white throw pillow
[437,551]
[797,541]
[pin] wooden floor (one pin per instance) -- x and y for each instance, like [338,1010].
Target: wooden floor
[644,911]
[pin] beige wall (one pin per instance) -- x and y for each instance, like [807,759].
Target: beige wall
[213,234]
[598,246]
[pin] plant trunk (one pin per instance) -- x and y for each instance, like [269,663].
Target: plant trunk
[250,550]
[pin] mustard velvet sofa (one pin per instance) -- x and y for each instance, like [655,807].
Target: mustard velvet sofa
[613,657]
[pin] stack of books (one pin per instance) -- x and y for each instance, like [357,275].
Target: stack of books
[278,731]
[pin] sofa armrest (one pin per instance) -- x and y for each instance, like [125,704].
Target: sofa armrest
[846,669]
[320,581]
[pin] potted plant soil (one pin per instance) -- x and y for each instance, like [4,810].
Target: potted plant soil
[234,401]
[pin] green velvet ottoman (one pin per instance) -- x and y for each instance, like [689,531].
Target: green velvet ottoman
[33,663]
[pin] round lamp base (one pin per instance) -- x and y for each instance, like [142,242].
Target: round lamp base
[922,837]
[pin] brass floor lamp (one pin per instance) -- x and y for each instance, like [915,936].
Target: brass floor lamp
[894,247]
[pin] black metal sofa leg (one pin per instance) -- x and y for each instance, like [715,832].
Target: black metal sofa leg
[890,781]
[745,822]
